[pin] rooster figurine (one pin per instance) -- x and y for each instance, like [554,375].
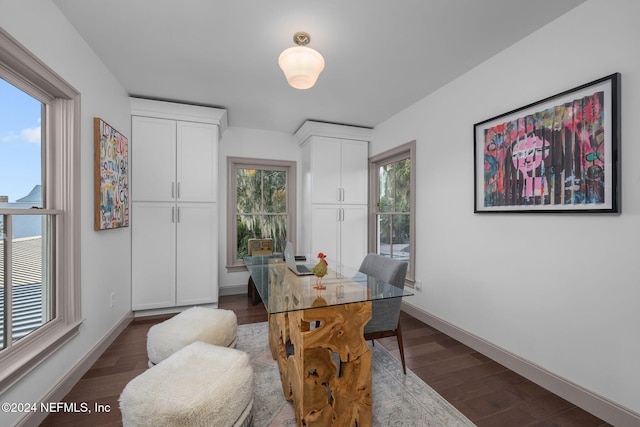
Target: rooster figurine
[320,270]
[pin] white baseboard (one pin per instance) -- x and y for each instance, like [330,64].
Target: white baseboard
[170,310]
[599,406]
[233,290]
[66,383]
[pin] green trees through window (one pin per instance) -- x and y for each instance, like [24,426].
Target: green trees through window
[394,209]
[261,207]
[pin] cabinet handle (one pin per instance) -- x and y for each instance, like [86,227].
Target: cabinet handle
[342,194]
[173,214]
[339,194]
[178,194]
[178,212]
[173,189]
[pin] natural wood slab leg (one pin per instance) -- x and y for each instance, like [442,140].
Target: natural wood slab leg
[278,340]
[329,374]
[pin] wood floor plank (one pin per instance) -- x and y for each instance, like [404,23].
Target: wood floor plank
[512,416]
[486,392]
[546,406]
[574,417]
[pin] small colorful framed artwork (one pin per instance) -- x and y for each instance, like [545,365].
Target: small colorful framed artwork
[111,177]
[560,154]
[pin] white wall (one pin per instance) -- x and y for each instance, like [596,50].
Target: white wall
[249,143]
[561,291]
[575,315]
[41,28]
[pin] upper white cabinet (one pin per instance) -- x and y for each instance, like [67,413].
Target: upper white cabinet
[338,169]
[196,180]
[174,160]
[153,156]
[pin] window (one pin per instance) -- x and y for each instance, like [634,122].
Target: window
[39,211]
[392,183]
[261,204]
[27,290]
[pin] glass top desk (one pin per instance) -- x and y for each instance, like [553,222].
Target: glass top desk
[283,291]
[316,333]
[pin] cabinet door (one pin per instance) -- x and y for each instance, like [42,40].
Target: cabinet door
[197,162]
[197,253]
[355,158]
[153,253]
[325,170]
[353,236]
[325,232]
[153,159]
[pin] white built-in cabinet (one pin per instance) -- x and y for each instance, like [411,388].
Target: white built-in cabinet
[340,232]
[335,192]
[340,170]
[177,160]
[174,212]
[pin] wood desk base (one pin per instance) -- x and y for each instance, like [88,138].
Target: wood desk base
[325,393]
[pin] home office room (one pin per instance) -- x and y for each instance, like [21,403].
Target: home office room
[462,171]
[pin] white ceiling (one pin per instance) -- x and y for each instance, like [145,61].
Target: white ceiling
[381,55]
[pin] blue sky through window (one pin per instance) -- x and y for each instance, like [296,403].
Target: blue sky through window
[20,149]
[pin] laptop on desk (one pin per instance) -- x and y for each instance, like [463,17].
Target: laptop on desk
[298,269]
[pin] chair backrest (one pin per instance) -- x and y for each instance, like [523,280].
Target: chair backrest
[385,313]
[385,269]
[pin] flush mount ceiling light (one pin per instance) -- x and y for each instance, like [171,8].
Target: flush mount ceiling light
[301,64]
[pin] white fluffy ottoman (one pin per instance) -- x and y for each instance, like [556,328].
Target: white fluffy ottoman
[199,385]
[210,325]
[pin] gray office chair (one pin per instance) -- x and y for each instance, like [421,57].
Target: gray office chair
[385,313]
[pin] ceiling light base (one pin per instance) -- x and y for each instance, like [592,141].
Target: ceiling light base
[301,38]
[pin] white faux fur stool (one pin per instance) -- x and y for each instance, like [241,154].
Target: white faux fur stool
[210,325]
[200,385]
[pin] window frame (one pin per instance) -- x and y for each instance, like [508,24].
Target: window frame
[234,163]
[400,152]
[61,197]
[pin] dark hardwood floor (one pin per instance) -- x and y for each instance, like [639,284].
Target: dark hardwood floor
[486,392]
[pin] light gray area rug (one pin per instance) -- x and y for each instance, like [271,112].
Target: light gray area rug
[398,400]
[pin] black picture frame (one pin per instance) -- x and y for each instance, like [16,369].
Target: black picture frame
[559,154]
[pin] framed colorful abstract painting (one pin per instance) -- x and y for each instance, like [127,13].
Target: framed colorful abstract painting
[111,177]
[560,154]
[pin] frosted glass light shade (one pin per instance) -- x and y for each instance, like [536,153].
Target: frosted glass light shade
[301,66]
